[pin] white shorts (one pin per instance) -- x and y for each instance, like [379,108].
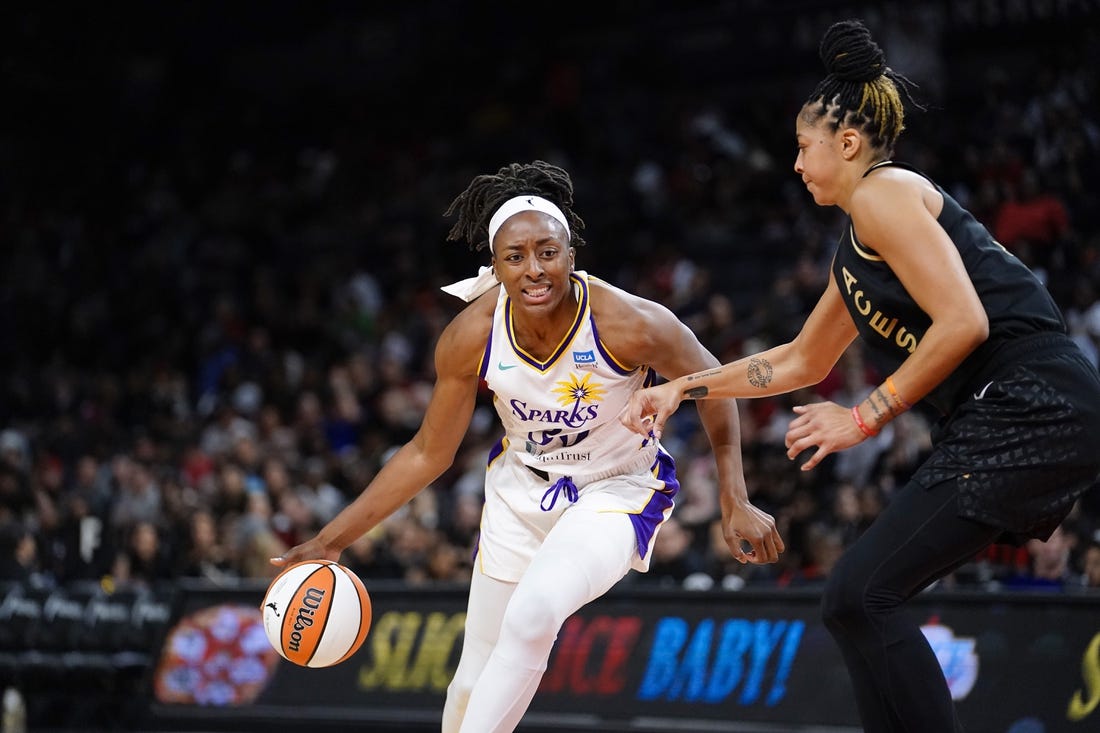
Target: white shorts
[514,522]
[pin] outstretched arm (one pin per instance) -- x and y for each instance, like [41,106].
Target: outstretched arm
[420,461]
[800,363]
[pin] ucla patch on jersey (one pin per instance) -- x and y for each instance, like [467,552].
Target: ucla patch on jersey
[585,359]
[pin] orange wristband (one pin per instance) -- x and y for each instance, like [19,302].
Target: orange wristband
[894,393]
[862,425]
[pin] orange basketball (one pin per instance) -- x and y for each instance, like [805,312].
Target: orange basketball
[316,613]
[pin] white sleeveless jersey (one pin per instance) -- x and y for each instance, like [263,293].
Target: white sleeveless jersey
[561,415]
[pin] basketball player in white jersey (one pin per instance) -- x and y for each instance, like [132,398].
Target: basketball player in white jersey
[573,498]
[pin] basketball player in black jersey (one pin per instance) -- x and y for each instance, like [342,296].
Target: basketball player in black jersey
[956,321]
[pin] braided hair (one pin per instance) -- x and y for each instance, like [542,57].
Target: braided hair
[486,193]
[860,90]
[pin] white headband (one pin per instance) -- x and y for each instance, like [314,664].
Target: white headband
[485,280]
[513,206]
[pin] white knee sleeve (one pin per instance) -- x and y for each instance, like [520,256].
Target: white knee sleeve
[484,613]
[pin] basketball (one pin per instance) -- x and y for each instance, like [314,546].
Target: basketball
[316,613]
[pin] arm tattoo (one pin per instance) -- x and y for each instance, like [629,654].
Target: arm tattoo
[875,400]
[880,396]
[759,372]
[698,393]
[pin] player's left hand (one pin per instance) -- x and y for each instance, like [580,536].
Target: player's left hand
[824,425]
[744,523]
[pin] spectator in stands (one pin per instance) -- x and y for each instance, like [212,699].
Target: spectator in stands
[796,518]
[18,553]
[1032,223]
[84,548]
[1050,567]
[91,482]
[16,494]
[410,543]
[445,562]
[15,450]
[824,545]
[847,513]
[370,556]
[1088,337]
[137,497]
[323,499]
[573,500]
[1091,564]
[203,555]
[953,319]
[258,544]
[144,560]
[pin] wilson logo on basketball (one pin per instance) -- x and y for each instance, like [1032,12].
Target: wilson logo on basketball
[326,613]
[311,600]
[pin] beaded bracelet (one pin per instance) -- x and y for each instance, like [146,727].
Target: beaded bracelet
[862,425]
[894,393]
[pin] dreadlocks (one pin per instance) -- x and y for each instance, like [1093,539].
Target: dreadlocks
[860,90]
[485,194]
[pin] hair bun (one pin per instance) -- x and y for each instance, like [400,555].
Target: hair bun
[850,54]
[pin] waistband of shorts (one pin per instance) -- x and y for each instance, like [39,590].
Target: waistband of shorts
[1014,350]
[642,462]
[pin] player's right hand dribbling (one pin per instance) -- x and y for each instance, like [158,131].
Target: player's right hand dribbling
[311,549]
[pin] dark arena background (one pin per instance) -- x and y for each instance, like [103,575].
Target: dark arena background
[221,247]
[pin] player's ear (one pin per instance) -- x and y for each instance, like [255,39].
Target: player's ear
[851,142]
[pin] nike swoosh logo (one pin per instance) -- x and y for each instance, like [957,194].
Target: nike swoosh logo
[505,367]
[979,395]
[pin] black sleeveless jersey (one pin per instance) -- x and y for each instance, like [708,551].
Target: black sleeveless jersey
[892,324]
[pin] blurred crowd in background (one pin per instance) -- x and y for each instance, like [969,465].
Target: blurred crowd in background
[223,244]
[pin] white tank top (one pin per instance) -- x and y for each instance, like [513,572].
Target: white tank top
[561,415]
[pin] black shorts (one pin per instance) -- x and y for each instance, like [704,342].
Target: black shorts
[1024,442]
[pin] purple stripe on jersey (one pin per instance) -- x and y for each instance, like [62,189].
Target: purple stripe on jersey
[646,521]
[485,355]
[540,365]
[606,355]
[495,451]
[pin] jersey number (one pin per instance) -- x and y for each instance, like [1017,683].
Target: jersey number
[544,437]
